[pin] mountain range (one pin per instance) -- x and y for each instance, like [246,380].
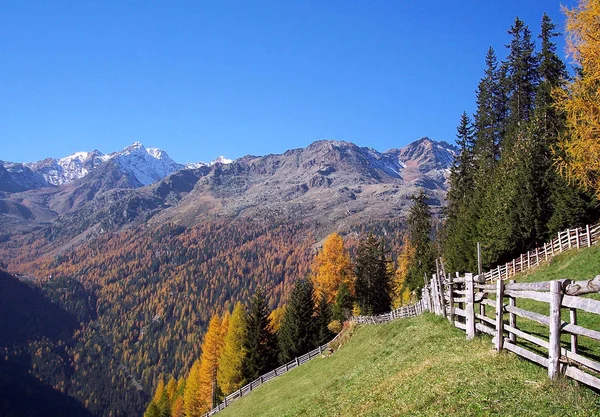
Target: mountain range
[333,181]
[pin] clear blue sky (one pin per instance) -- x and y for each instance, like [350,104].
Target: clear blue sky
[201,79]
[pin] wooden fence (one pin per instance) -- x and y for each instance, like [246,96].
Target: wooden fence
[399,313]
[463,300]
[567,239]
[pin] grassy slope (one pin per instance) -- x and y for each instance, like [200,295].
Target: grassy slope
[416,367]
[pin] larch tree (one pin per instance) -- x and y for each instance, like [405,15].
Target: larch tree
[331,267]
[401,293]
[230,373]
[209,364]
[193,405]
[579,159]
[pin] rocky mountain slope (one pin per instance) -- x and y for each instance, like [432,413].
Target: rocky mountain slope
[334,183]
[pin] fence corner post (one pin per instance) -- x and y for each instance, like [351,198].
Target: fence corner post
[555,323]
[499,315]
[470,306]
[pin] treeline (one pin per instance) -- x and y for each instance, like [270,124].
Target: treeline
[239,347]
[506,191]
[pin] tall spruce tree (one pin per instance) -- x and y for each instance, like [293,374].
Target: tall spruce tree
[322,319]
[419,232]
[344,301]
[261,343]
[296,336]
[373,278]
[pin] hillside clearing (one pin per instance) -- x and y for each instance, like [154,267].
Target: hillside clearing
[416,367]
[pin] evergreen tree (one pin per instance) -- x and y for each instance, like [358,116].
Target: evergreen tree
[296,335]
[322,320]
[419,231]
[344,302]
[261,344]
[373,279]
[230,373]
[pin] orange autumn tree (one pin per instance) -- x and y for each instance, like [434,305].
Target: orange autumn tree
[579,147]
[331,267]
[192,404]
[400,291]
[230,373]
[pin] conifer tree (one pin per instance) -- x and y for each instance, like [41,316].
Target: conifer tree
[419,231]
[400,291]
[209,364]
[579,159]
[230,373]
[322,319]
[276,317]
[296,335]
[261,344]
[331,267]
[344,303]
[373,279]
[194,406]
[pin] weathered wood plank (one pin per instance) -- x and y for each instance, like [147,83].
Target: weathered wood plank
[576,357]
[582,287]
[488,302]
[534,357]
[499,314]
[460,325]
[512,318]
[532,295]
[533,339]
[581,376]
[469,307]
[485,329]
[459,311]
[582,331]
[486,319]
[554,324]
[540,318]
[534,286]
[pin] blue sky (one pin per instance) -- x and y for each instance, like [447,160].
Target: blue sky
[201,79]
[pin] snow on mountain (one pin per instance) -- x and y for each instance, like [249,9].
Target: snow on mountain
[146,165]
[67,169]
[217,160]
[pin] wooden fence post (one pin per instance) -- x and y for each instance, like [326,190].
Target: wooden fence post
[450,300]
[577,236]
[512,318]
[554,342]
[559,243]
[569,237]
[528,260]
[589,235]
[442,296]
[470,306]
[499,315]
[573,320]
[537,257]
[545,252]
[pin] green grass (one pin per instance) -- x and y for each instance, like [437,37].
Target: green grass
[417,367]
[578,265]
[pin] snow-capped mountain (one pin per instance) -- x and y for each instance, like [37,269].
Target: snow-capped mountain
[146,165]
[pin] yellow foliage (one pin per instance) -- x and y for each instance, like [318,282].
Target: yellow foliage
[276,317]
[178,410]
[193,405]
[171,389]
[401,295]
[331,267]
[579,156]
[160,387]
[229,374]
[209,363]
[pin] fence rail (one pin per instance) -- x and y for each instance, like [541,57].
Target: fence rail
[568,239]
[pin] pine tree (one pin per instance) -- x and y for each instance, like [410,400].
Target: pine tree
[297,333]
[419,231]
[373,280]
[344,303]
[322,320]
[261,344]
[331,267]
[209,364]
[230,373]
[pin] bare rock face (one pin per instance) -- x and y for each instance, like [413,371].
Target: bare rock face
[332,183]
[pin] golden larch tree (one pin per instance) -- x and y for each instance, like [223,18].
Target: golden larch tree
[276,317]
[209,364]
[331,267]
[400,291]
[192,404]
[229,373]
[579,147]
